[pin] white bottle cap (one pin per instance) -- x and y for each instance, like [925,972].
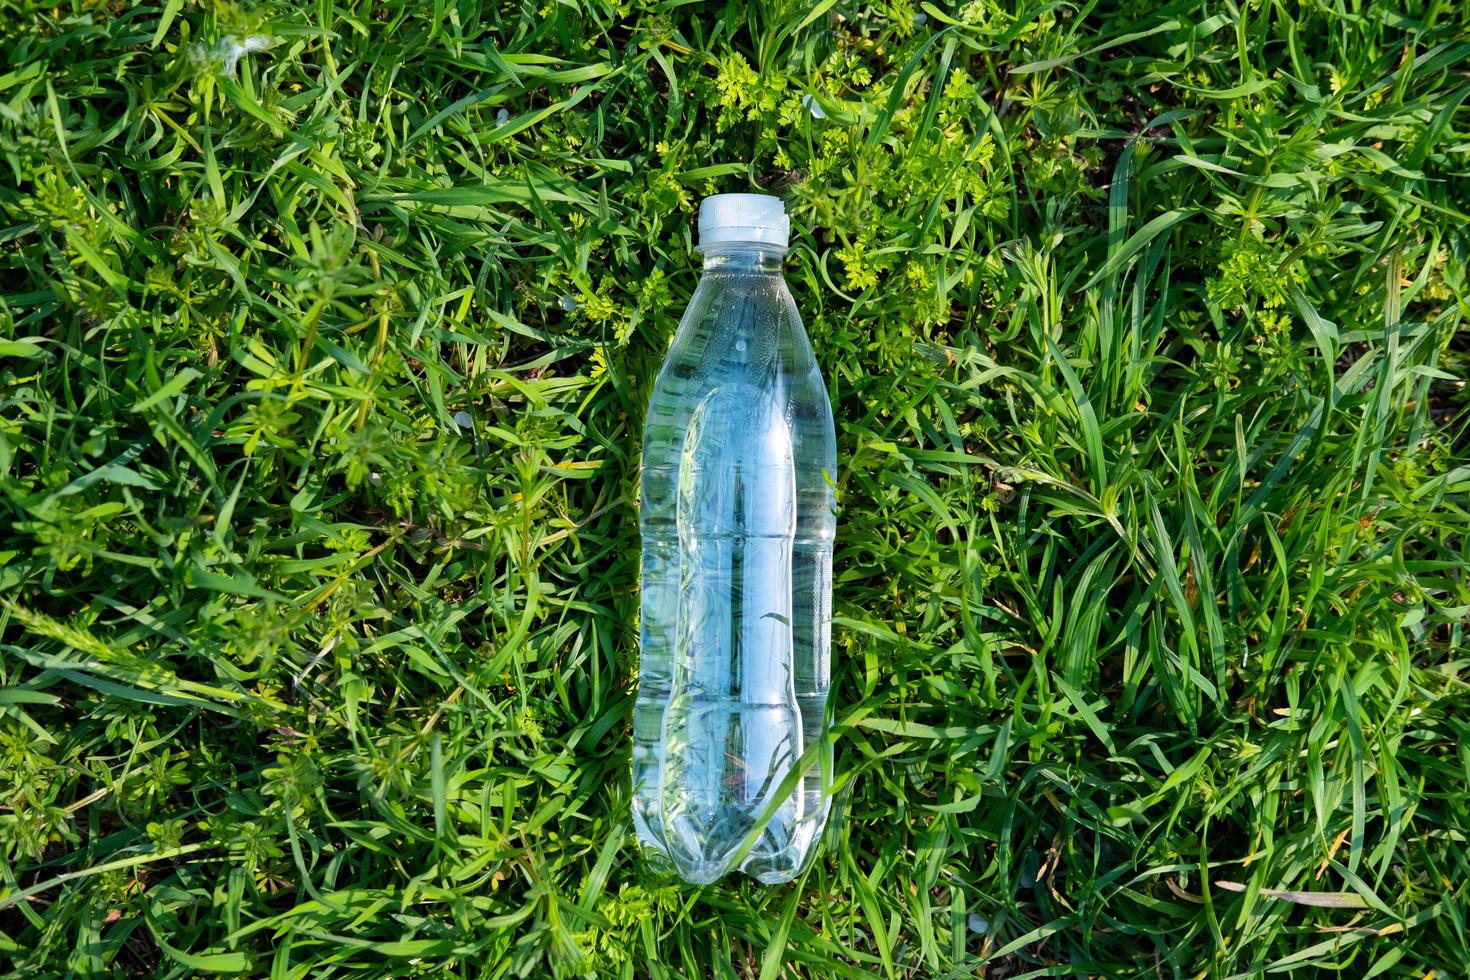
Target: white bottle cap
[757,219]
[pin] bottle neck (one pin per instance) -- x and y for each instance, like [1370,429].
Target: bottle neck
[741,258]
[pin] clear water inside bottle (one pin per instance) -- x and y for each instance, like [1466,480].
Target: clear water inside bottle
[737,521]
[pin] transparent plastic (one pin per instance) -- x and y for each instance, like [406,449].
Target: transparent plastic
[737,519]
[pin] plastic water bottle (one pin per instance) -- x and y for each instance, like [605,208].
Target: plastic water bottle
[730,764]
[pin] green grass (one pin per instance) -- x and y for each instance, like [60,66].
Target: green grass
[322,369]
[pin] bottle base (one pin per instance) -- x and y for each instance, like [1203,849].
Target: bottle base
[767,866]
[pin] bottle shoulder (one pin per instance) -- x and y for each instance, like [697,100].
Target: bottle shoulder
[743,333]
[744,327]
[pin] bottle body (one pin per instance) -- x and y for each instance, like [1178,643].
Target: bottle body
[730,761]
